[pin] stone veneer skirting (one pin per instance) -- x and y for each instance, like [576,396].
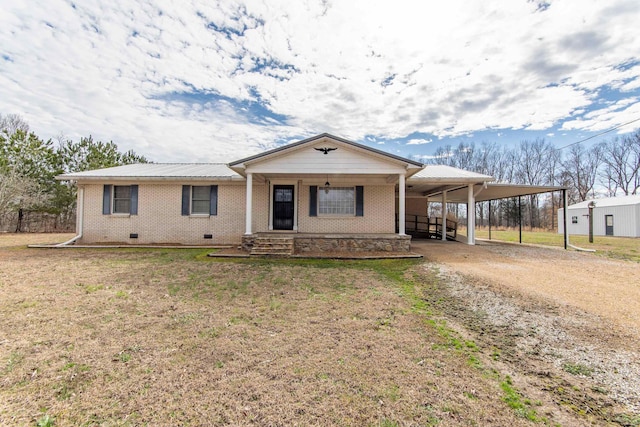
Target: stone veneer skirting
[311,243]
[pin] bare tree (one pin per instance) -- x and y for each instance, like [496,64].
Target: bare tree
[580,170]
[532,162]
[16,194]
[621,159]
[11,123]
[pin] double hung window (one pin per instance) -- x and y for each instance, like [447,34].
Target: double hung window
[120,199]
[337,201]
[199,200]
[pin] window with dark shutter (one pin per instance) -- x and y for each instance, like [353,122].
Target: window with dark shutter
[359,200]
[106,200]
[134,200]
[186,199]
[313,200]
[213,205]
[199,200]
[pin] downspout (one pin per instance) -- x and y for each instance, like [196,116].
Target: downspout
[80,225]
[482,187]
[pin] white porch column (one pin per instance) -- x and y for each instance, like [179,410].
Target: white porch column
[249,207]
[401,205]
[444,215]
[471,216]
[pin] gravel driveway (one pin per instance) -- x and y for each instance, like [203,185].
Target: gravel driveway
[566,323]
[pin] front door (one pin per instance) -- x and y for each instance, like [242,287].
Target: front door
[608,225]
[283,207]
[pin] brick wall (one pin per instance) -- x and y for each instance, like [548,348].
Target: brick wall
[159,218]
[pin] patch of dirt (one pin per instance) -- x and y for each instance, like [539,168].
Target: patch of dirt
[565,323]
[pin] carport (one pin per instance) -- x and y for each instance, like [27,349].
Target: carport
[469,188]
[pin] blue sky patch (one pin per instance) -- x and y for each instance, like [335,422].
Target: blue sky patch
[254,112]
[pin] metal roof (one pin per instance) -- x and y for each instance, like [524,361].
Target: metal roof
[609,201]
[159,171]
[443,172]
[495,191]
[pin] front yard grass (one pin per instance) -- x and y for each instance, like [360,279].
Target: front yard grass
[171,337]
[614,247]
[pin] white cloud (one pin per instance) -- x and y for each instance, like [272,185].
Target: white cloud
[351,68]
[418,141]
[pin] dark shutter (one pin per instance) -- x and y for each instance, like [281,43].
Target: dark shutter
[186,199]
[134,200]
[359,200]
[313,200]
[106,200]
[213,201]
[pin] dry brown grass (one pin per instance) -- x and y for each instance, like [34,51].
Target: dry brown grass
[168,337]
[111,337]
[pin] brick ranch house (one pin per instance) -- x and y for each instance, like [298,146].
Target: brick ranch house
[321,193]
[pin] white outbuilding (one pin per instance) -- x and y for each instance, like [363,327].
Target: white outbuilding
[613,216]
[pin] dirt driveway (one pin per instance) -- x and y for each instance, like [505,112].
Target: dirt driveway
[604,287]
[564,322]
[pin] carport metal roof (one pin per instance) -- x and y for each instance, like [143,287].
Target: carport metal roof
[492,191]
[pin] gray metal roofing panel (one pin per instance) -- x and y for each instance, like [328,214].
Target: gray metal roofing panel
[158,170]
[609,201]
[325,135]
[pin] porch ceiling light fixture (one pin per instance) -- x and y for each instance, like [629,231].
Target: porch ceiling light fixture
[327,185]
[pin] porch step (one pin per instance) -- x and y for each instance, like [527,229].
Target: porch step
[273,246]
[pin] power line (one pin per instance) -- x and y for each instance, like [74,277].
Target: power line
[599,134]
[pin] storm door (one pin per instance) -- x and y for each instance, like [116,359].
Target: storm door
[608,225]
[283,207]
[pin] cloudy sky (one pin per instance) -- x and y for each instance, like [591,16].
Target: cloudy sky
[200,81]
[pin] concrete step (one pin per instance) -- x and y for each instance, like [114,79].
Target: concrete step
[276,246]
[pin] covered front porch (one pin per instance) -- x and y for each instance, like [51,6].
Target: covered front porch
[341,193]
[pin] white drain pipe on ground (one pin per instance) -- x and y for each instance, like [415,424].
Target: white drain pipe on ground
[80,213]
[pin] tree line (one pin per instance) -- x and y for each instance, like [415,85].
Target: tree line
[32,200]
[30,197]
[607,169]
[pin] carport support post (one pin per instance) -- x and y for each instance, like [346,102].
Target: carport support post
[520,216]
[249,208]
[489,219]
[564,218]
[471,216]
[444,216]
